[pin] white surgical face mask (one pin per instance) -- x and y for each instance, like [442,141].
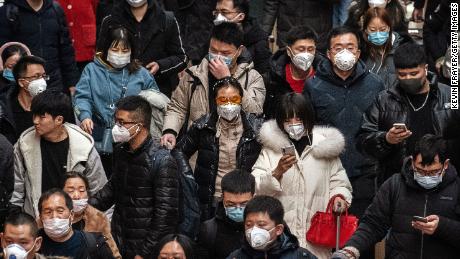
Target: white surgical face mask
[118,60]
[15,251]
[121,134]
[295,131]
[56,227]
[79,205]
[228,111]
[37,86]
[303,60]
[377,3]
[136,3]
[258,238]
[345,60]
[220,19]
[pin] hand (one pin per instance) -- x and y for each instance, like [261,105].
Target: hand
[138,257]
[417,15]
[168,140]
[72,90]
[427,228]
[218,69]
[286,162]
[395,136]
[153,67]
[340,205]
[87,125]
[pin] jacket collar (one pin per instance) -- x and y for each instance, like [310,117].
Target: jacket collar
[326,72]
[144,147]
[398,93]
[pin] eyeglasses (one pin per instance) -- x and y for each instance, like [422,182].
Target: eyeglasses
[428,173]
[123,123]
[236,99]
[36,77]
[337,49]
[223,12]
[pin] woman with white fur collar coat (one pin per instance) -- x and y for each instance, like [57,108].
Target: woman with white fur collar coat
[308,175]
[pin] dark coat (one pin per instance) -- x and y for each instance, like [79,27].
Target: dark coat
[46,34]
[390,107]
[341,104]
[145,190]
[7,123]
[285,247]
[398,200]
[156,38]
[6,176]
[220,236]
[256,41]
[290,13]
[201,137]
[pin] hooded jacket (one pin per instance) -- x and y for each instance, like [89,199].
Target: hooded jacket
[182,99]
[286,246]
[100,87]
[340,104]
[156,38]
[82,158]
[46,34]
[398,200]
[390,107]
[308,185]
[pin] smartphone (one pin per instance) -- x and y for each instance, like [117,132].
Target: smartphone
[400,126]
[418,218]
[289,150]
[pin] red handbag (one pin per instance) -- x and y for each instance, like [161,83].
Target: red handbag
[323,228]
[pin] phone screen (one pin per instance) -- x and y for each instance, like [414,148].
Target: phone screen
[289,150]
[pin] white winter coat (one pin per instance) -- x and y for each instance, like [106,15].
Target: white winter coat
[308,185]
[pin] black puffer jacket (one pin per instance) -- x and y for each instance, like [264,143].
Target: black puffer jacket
[201,137]
[7,123]
[391,107]
[145,190]
[156,38]
[398,200]
[289,13]
[256,41]
[46,34]
[6,177]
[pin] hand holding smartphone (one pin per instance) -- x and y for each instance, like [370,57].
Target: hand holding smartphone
[400,126]
[420,219]
[289,150]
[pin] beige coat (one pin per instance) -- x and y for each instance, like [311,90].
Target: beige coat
[182,99]
[307,186]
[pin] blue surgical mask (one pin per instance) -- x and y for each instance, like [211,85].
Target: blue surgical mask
[378,38]
[428,182]
[235,213]
[226,60]
[8,74]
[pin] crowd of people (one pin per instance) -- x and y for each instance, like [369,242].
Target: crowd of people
[162,129]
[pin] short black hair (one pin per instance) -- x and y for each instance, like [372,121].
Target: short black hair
[300,33]
[242,6]
[184,241]
[227,82]
[22,218]
[139,107]
[295,105]
[409,55]
[71,175]
[13,50]
[20,69]
[266,204]
[341,30]
[428,147]
[229,33]
[238,182]
[54,191]
[53,102]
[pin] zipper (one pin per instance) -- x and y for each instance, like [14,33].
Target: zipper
[424,215]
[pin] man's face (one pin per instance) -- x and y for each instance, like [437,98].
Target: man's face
[412,73]
[304,45]
[236,200]
[226,8]
[345,41]
[432,169]
[21,235]
[125,119]
[217,47]
[33,72]
[46,124]
[55,207]
[262,220]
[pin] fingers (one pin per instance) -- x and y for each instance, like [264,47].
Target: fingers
[432,218]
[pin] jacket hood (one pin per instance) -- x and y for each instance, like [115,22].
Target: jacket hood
[325,71]
[328,142]
[23,4]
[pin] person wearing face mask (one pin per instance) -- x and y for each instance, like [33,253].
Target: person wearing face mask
[418,101]
[20,239]
[30,79]
[146,207]
[86,217]
[59,239]
[428,187]
[380,45]
[291,67]
[222,234]
[299,164]
[266,234]
[255,39]
[193,97]
[224,140]
[10,53]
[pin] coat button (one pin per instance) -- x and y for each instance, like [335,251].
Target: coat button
[70,23]
[69,6]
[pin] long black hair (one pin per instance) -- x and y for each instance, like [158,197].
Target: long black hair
[185,242]
[295,105]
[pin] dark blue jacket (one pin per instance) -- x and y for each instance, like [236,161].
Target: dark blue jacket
[341,104]
[46,34]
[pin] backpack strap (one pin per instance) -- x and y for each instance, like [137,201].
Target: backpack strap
[195,82]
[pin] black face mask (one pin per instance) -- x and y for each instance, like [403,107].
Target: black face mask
[411,86]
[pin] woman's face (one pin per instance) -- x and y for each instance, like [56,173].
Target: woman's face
[292,121]
[172,250]
[119,48]
[76,188]
[11,61]
[377,25]
[227,95]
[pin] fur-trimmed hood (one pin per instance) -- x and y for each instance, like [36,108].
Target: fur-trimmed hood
[328,142]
